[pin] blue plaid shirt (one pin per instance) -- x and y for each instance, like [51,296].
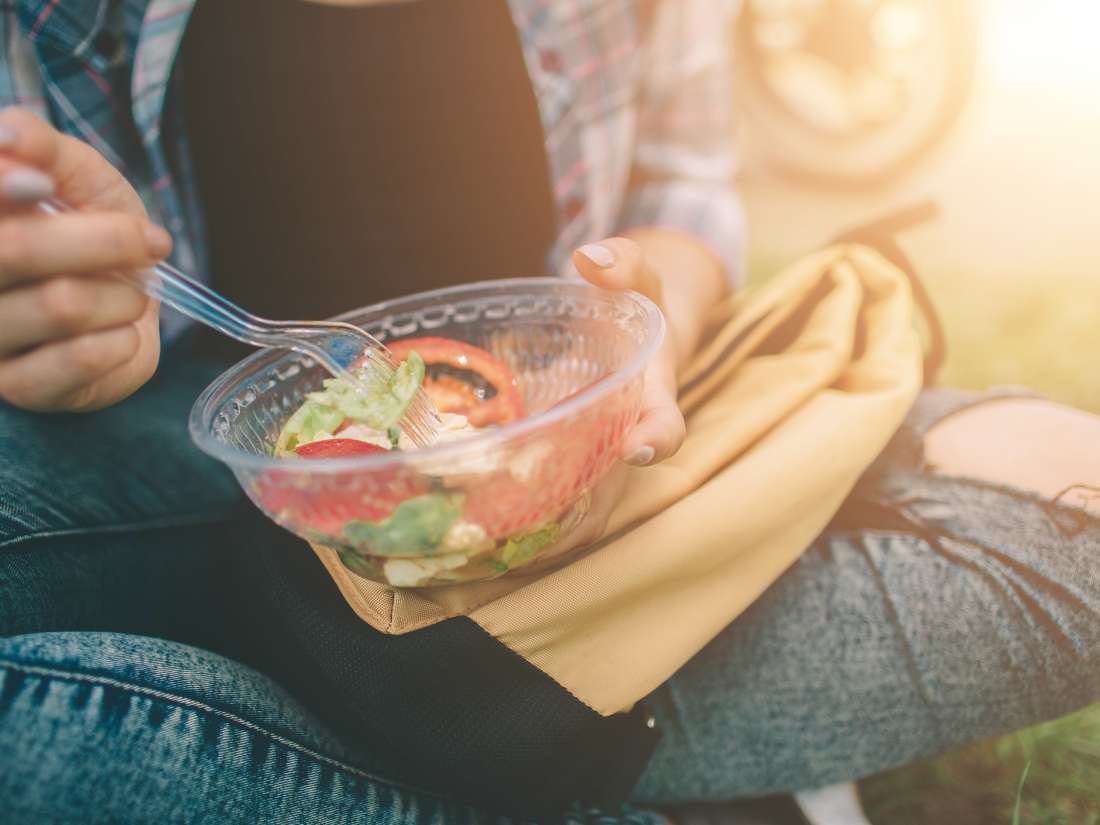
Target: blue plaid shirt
[634,97]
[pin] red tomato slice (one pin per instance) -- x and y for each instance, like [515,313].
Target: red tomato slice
[325,507]
[505,406]
[451,394]
[326,513]
[337,448]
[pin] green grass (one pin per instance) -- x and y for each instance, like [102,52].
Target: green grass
[982,783]
[1020,794]
[1042,331]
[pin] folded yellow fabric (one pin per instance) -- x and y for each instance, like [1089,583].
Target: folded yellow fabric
[800,387]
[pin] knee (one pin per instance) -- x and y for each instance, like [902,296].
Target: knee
[1038,446]
[119,467]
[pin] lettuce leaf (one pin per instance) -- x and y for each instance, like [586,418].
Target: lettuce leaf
[380,407]
[416,528]
[520,549]
[311,418]
[384,402]
[359,565]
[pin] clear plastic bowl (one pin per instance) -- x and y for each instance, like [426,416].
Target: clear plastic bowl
[493,501]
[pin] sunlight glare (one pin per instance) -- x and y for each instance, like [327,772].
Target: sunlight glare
[1050,45]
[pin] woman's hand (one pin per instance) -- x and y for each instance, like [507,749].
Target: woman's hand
[72,336]
[619,263]
[641,263]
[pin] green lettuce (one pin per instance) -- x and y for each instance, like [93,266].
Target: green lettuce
[381,406]
[416,528]
[359,565]
[311,418]
[385,400]
[520,549]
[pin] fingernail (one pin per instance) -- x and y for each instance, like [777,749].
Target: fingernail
[158,240]
[598,254]
[8,136]
[641,456]
[26,185]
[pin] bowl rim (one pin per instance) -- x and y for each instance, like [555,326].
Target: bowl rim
[199,420]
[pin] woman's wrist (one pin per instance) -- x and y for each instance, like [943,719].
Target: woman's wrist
[692,281]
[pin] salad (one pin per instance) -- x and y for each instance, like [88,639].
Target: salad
[406,526]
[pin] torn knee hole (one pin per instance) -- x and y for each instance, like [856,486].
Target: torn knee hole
[1036,446]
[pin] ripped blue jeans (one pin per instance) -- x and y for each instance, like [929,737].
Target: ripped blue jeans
[932,612]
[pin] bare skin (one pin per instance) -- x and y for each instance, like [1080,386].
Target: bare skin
[72,336]
[1030,444]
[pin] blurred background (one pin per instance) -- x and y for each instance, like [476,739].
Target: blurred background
[849,108]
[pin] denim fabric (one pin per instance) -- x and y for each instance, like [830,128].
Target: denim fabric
[122,469]
[113,531]
[112,521]
[116,728]
[934,611]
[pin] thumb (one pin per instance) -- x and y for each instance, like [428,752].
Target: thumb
[617,263]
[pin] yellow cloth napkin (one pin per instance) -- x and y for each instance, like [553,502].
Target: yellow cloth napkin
[800,387]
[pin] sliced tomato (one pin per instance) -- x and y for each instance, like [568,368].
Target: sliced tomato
[505,405]
[325,505]
[451,394]
[324,512]
[327,509]
[337,448]
[505,506]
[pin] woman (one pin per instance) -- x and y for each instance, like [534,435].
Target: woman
[299,154]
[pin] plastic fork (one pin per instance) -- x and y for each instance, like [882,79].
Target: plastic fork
[334,345]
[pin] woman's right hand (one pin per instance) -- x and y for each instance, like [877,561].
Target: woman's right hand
[72,335]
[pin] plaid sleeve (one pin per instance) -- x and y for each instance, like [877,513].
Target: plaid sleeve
[20,82]
[684,163]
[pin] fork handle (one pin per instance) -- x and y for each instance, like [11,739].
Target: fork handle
[197,301]
[168,285]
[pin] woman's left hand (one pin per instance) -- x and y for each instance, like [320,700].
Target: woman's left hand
[629,263]
[619,263]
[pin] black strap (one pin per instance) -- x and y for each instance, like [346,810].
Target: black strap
[881,235]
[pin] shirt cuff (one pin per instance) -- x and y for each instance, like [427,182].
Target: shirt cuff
[711,213]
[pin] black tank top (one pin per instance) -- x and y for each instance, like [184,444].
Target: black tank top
[347,155]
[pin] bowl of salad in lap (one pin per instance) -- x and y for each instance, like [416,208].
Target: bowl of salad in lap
[536,381]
